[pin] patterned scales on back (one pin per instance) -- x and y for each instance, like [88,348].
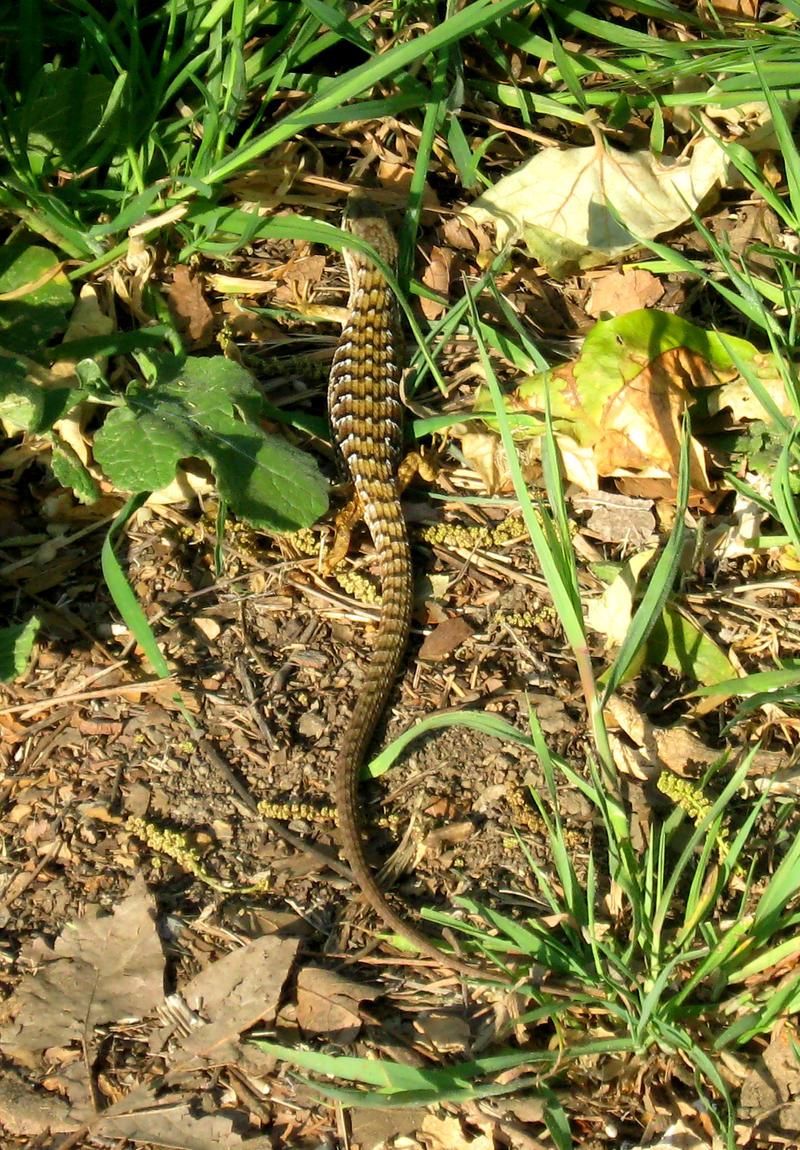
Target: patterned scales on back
[366,421]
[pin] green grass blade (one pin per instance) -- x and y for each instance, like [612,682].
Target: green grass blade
[660,585]
[122,594]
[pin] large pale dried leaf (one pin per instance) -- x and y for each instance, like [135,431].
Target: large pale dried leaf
[641,426]
[235,993]
[77,471]
[108,968]
[582,206]
[485,455]
[88,319]
[174,1123]
[611,614]
[750,120]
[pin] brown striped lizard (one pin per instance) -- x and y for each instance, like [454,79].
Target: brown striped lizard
[365,411]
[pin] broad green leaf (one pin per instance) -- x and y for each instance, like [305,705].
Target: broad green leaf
[31,320]
[16,644]
[63,119]
[611,614]
[29,405]
[208,409]
[69,471]
[21,400]
[677,642]
[616,353]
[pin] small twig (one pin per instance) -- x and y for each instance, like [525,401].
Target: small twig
[25,709]
[20,882]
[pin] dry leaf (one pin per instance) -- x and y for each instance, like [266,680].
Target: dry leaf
[88,319]
[208,627]
[750,122]
[299,278]
[610,615]
[680,1137]
[444,1032]
[193,480]
[748,9]
[327,1004]
[616,518]
[642,423]
[569,205]
[463,238]
[445,638]
[617,407]
[485,454]
[386,1129]
[448,1134]
[187,305]
[108,968]
[174,1123]
[676,748]
[622,290]
[131,275]
[235,993]
[25,1112]
[437,277]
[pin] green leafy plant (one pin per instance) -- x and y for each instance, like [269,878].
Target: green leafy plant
[16,644]
[208,408]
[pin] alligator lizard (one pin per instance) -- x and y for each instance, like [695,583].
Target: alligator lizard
[366,422]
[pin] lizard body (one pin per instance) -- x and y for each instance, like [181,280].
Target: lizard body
[365,411]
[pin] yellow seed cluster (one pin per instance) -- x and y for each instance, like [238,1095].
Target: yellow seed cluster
[508,529]
[305,541]
[531,819]
[457,535]
[688,797]
[243,538]
[313,812]
[472,536]
[692,800]
[285,812]
[175,845]
[524,620]
[357,585]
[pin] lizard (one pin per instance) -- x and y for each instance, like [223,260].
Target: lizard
[365,413]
